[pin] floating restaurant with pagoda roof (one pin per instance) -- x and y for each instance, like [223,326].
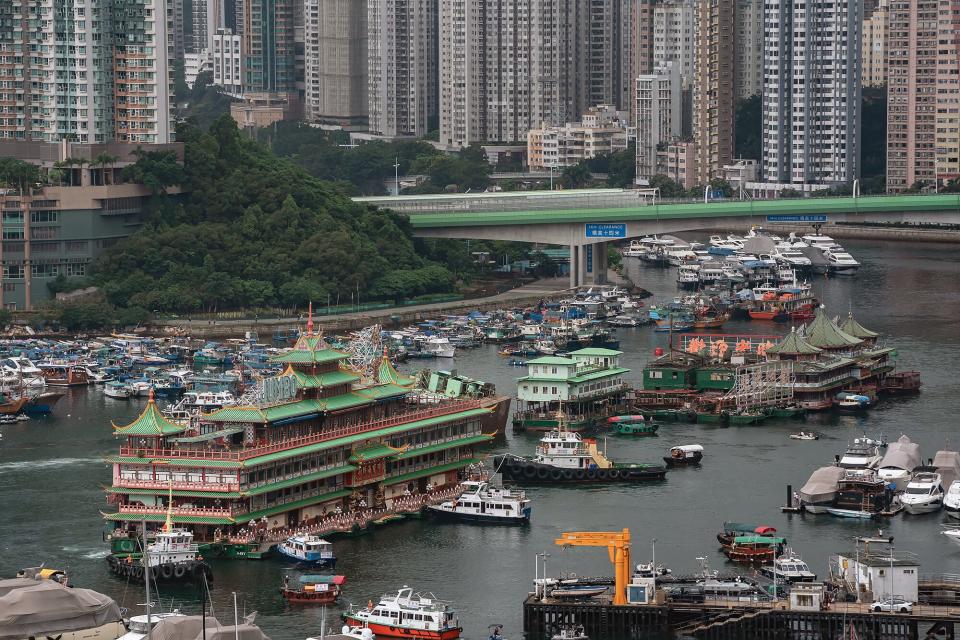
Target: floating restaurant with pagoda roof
[317,439]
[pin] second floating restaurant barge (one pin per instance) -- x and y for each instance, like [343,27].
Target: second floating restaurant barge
[314,441]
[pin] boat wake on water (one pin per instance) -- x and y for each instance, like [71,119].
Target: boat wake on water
[37,465]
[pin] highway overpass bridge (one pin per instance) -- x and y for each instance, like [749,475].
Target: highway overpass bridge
[586,220]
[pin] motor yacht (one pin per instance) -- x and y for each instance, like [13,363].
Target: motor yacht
[901,458]
[789,567]
[480,502]
[841,262]
[860,455]
[924,492]
[951,500]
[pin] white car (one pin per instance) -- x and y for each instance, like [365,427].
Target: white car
[896,604]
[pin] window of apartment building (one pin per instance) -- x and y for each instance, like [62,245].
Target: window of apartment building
[46,247]
[13,272]
[44,270]
[78,245]
[12,247]
[13,234]
[42,233]
[13,216]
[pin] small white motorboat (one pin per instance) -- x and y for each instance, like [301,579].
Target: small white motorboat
[804,435]
[850,513]
[953,535]
[117,390]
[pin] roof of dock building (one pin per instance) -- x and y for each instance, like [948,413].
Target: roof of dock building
[824,333]
[794,344]
[857,330]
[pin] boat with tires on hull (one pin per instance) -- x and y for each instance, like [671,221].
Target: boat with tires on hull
[171,557]
[564,457]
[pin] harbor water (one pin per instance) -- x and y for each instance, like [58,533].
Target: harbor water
[52,475]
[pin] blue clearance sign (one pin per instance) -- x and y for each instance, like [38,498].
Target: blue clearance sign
[788,218]
[605,230]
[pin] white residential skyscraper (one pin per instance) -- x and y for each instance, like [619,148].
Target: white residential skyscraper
[811,91]
[658,116]
[93,71]
[748,47]
[401,66]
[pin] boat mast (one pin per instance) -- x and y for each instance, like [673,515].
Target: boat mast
[146,578]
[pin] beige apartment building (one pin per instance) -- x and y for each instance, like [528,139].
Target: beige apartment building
[923,94]
[678,161]
[713,87]
[602,130]
[875,46]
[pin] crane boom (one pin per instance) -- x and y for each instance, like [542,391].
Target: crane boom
[618,550]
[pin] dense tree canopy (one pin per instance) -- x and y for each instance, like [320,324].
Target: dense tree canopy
[253,230]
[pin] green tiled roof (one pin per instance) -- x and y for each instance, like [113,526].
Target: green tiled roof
[265,415]
[794,344]
[319,380]
[413,475]
[153,517]
[176,462]
[150,423]
[176,492]
[367,435]
[345,401]
[823,333]
[292,482]
[383,391]
[308,356]
[856,329]
[373,452]
[386,372]
[298,504]
[602,373]
[597,352]
[568,362]
[441,446]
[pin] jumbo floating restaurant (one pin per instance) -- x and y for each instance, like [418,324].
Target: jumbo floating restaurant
[320,437]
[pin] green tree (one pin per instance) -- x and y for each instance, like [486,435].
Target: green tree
[156,170]
[576,176]
[19,175]
[668,187]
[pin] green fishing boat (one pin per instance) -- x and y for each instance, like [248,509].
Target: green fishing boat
[791,411]
[635,425]
[711,417]
[747,417]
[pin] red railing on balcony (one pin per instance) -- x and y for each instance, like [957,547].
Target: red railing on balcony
[293,443]
[121,482]
[202,512]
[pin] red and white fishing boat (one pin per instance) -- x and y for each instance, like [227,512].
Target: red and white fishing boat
[407,615]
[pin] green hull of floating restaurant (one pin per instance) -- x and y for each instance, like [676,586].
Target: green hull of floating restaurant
[587,385]
[745,379]
[319,439]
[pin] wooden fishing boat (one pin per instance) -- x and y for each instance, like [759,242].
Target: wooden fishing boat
[685,454]
[733,529]
[313,589]
[754,549]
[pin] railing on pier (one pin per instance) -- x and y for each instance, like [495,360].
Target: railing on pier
[293,443]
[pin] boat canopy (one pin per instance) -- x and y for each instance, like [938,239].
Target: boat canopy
[759,540]
[902,454]
[822,484]
[739,527]
[948,466]
[616,419]
[31,608]
[687,448]
[321,579]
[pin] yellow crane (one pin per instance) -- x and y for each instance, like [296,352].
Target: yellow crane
[618,549]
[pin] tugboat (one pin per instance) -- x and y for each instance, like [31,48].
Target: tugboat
[632,426]
[480,502]
[313,589]
[172,556]
[407,615]
[564,457]
[307,548]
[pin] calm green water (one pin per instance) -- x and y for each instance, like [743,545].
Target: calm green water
[51,475]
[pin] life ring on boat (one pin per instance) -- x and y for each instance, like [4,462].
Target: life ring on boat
[579,474]
[166,571]
[542,473]
[567,474]
[179,571]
